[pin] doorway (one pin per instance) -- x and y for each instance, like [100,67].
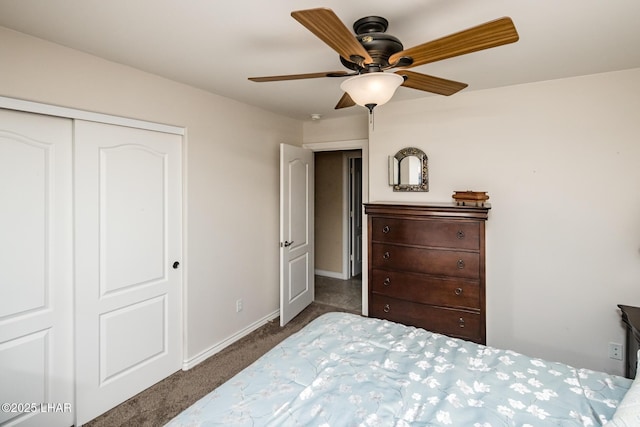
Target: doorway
[338,228]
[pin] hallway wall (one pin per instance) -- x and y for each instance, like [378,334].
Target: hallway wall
[329,209]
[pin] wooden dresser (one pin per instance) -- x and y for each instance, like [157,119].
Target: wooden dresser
[427,266]
[631,318]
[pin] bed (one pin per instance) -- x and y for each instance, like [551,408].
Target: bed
[347,370]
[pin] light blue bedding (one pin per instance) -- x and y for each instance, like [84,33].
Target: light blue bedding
[347,370]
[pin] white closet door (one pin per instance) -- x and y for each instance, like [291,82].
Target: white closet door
[36,289]
[128,238]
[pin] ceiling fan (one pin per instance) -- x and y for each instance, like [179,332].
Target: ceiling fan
[371,52]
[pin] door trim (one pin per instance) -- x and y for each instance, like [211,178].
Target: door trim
[354,144]
[350,144]
[72,113]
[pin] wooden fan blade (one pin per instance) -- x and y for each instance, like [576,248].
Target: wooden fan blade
[430,83]
[345,102]
[298,76]
[484,36]
[329,28]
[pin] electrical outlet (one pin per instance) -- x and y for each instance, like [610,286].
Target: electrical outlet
[615,351]
[238,306]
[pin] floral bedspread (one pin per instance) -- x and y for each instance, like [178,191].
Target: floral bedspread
[347,370]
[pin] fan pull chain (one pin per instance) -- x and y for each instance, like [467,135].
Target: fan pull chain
[372,120]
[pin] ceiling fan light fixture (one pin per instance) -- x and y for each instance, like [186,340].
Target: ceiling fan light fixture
[372,89]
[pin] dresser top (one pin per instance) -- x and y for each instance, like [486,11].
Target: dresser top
[428,209]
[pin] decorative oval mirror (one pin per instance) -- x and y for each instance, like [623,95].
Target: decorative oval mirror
[408,170]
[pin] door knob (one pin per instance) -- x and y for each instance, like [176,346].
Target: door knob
[176,265]
[288,243]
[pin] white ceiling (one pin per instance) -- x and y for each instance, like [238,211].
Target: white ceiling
[215,45]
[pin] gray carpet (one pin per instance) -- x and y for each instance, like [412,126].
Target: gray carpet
[161,402]
[339,293]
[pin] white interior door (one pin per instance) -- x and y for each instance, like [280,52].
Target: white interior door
[128,238]
[36,273]
[296,231]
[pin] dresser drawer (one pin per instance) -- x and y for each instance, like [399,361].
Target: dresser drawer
[429,261]
[427,232]
[451,322]
[426,289]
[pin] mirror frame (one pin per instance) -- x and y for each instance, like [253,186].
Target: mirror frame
[394,170]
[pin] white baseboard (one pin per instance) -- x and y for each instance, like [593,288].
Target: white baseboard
[332,274]
[201,357]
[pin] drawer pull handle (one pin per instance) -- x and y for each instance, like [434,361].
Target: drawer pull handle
[387,281]
[458,291]
[461,322]
[385,229]
[386,255]
[386,308]
[460,234]
[460,264]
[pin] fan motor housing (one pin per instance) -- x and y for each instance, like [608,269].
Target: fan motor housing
[370,32]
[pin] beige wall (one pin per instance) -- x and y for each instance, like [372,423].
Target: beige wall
[558,158]
[561,162]
[233,227]
[331,248]
[350,127]
[329,211]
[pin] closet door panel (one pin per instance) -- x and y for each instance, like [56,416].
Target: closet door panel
[132,224]
[25,188]
[128,236]
[36,299]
